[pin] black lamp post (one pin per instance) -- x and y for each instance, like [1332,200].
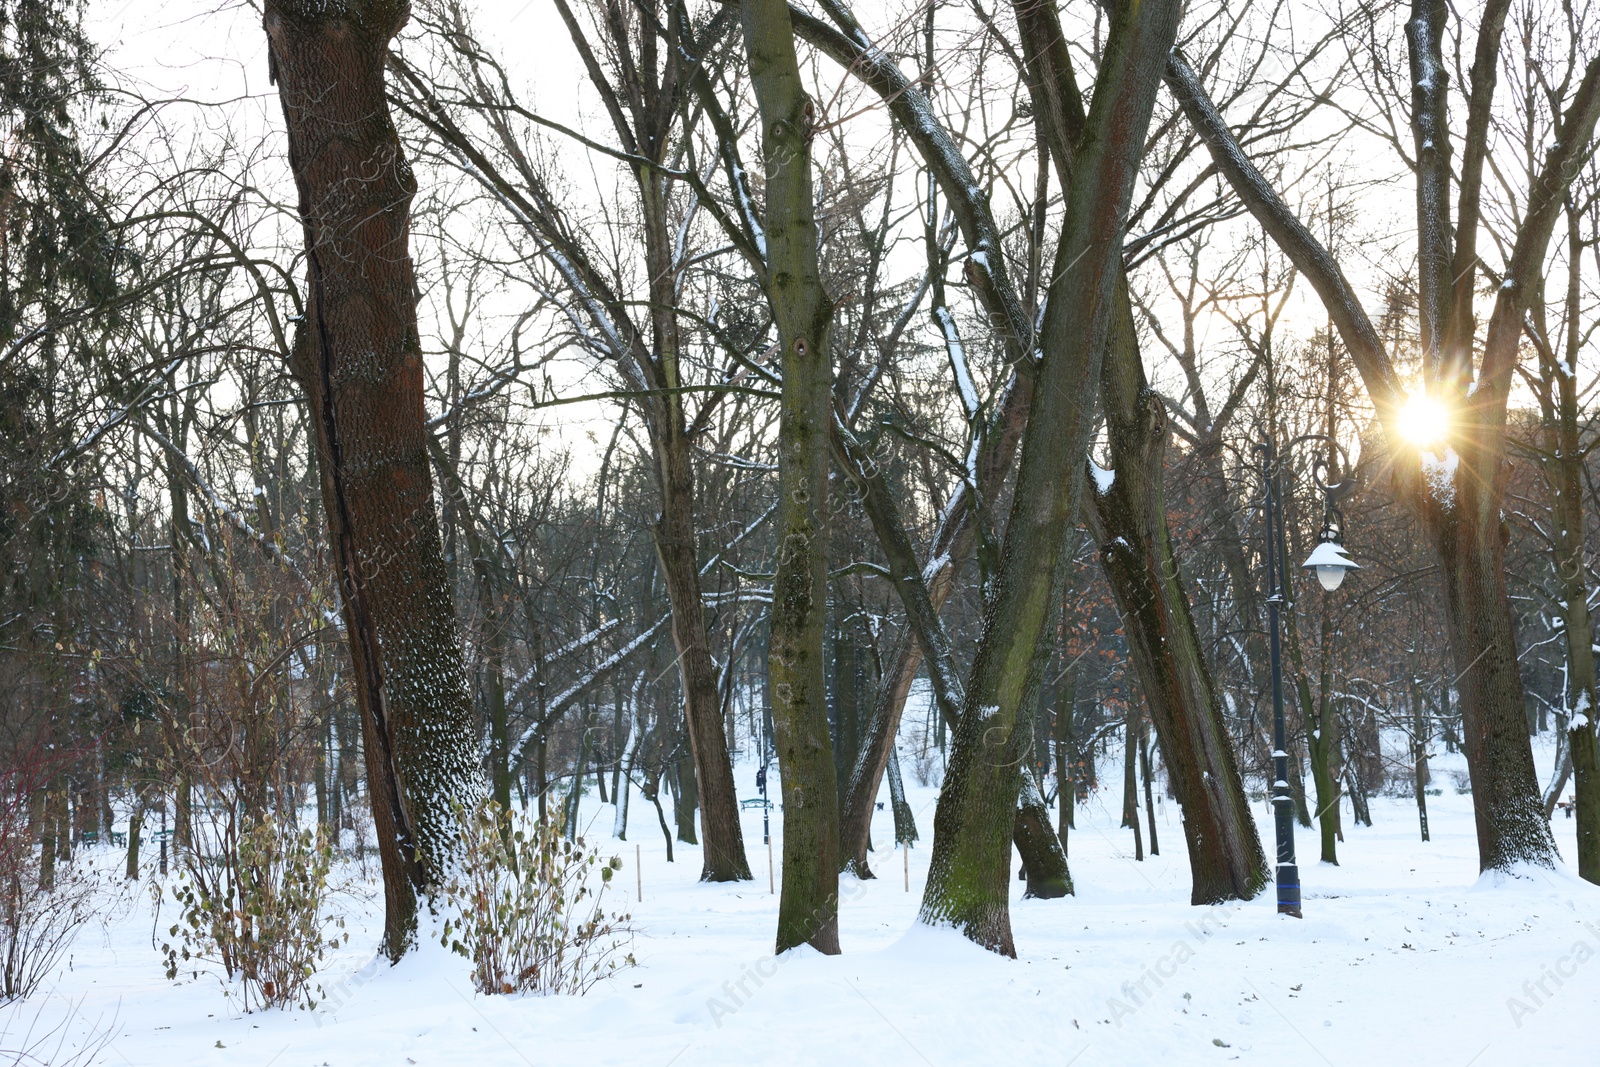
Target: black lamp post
[1330,564]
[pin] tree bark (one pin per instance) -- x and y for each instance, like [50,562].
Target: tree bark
[135,827]
[358,357]
[905,822]
[808,909]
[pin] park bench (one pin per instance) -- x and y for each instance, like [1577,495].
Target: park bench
[755,802]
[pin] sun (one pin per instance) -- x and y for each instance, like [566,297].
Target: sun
[1424,420]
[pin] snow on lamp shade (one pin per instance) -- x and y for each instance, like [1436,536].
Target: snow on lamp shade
[1330,563]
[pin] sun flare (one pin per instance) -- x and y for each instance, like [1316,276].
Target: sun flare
[1424,420]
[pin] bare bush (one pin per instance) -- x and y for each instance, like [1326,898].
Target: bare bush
[39,916]
[525,911]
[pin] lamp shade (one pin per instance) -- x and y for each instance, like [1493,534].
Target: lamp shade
[1330,563]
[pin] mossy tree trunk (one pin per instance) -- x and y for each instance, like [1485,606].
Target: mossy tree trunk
[808,909]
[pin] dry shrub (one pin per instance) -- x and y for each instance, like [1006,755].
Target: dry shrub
[525,909]
[39,916]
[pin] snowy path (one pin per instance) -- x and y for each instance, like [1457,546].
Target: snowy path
[1402,958]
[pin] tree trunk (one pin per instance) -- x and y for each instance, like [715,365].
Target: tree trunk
[486,582]
[1044,861]
[723,859]
[877,750]
[905,822]
[1149,795]
[968,884]
[1130,781]
[808,910]
[1470,539]
[1225,857]
[135,827]
[1419,757]
[358,357]
[46,821]
[685,794]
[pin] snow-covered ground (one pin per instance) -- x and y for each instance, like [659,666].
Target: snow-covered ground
[1404,956]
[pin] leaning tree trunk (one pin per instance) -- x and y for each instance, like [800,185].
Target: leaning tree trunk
[1129,519]
[808,910]
[877,750]
[1043,858]
[968,884]
[358,357]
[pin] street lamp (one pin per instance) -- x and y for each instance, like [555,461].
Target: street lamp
[1330,563]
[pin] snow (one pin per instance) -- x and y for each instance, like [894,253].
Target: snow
[1404,955]
[1329,554]
[1103,479]
[1440,474]
[958,362]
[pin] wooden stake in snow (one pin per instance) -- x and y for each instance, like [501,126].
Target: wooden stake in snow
[770,888]
[638,870]
[905,851]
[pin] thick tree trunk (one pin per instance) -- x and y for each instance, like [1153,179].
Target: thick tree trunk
[808,910]
[1044,861]
[968,885]
[486,581]
[1470,539]
[359,359]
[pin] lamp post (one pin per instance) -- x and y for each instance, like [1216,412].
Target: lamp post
[1330,563]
